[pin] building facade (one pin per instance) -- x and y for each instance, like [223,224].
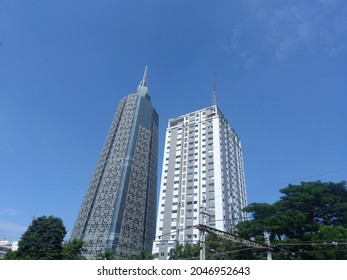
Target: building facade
[119,209]
[5,246]
[202,179]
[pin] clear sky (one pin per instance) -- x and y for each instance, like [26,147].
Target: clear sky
[281,80]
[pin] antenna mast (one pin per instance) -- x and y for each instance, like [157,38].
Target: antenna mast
[214,101]
[144,79]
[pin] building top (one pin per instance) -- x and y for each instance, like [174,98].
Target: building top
[213,110]
[142,88]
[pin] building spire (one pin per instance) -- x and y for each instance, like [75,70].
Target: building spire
[214,101]
[143,83]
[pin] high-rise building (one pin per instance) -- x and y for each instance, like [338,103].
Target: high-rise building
[202,179]
[119,210]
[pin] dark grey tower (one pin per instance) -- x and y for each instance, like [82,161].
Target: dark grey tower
[119,210]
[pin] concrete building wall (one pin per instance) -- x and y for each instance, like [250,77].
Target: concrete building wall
[202,170]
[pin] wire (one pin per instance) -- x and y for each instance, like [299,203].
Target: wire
[292,209]
[247,218]
[310,244]
[235,251]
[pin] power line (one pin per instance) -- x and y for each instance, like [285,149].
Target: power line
[331,243]
[249,218]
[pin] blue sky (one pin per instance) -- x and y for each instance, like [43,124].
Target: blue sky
[64,65]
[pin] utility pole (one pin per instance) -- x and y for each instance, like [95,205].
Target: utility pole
[267,242]
[202,245]
[202,232]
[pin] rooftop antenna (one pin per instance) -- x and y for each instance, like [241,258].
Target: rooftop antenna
[214,101]
[143,83]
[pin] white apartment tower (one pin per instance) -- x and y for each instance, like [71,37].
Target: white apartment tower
[202,172]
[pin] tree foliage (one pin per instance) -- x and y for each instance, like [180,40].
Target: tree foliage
[144,255]
[11,255]
[73,250]
[43,240]
[185,251]
[308,222]
[107,255]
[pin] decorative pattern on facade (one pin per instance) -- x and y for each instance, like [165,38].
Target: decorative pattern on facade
[113,213]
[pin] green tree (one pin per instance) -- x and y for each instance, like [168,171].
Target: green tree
[11,255]
[42,240]
[107,255]
[308,222]
[144,255]
[185,251]
[73,250]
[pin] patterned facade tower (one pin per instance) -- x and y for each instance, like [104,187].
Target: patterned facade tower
[119,210]
[202,179]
